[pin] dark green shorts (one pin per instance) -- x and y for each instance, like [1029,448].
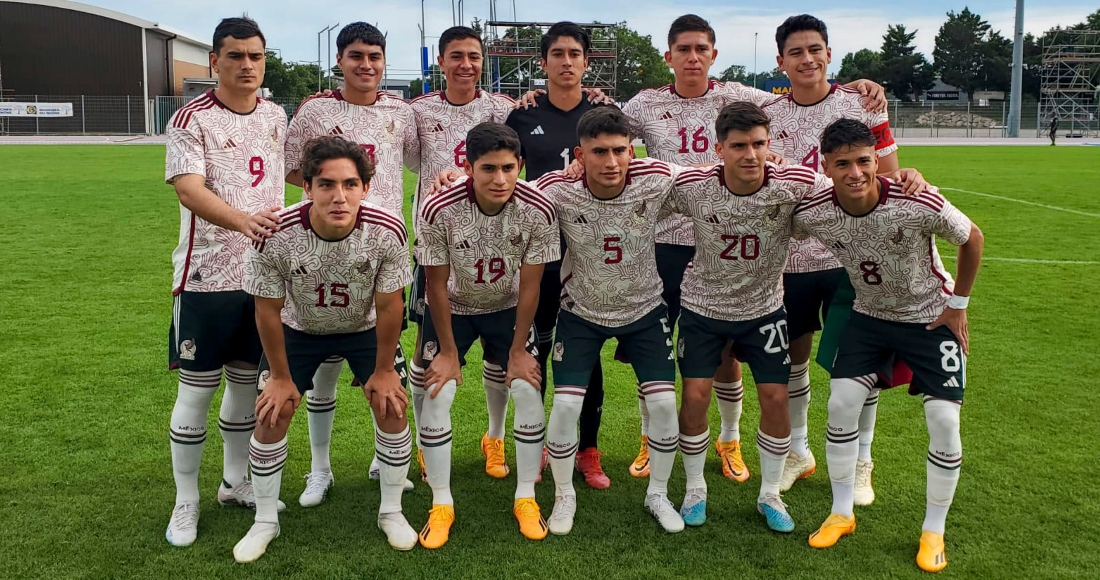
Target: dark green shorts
[305,353]
[496,329]
[807,297]
[762,343]
[647,343]
[210,329]
[868,344]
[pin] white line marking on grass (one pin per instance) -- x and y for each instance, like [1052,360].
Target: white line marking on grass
[1036,261]
[1043,205]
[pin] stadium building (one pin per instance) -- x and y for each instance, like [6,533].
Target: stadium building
[109,66]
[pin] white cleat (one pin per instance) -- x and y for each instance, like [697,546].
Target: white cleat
[241,495]
[561,519]
[254,543]
[375,473]
[665,513]
[184,525]
[795,468]
[398,532]
[317,485]
[864,493]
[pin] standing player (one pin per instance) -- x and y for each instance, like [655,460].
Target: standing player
[906,306]
[443,118]
[1053,129]
[611,290]
[225,160]
[383,126]
[330,281]
[486,289]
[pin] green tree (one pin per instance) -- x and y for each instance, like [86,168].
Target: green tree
[736,73]
[995,73]
[638,64]
[864,64]
[1033,62]
[902,70]
[969,55]
[292,81]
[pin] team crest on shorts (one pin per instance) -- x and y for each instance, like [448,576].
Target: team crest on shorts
[680,348]
[431,348]
[420,305]
[187,349]
[559,351]
[261,381]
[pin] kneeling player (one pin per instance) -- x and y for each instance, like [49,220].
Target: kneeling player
[315,281]
[482,243]
[906,306]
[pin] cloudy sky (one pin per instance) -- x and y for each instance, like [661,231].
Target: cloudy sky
[292,26]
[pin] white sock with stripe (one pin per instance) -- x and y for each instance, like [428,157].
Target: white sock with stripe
[237,420]
[562,438]
[529,431]
[867,425]
[664,433]
[435,441]
[643,411]
[267,461]
[798,405]
[693,448]
[496,398]
[394,451]
[846,397]
[321,412]
[944,460]
[416,385]
[187,429]
[729,396]
[773,454]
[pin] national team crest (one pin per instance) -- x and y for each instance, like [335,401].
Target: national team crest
[431,348]
[517,240]
[559,351]
[261,380]
[680,348]
[187,349]
[898,238]
[773,213]
[639,209]
[364,267]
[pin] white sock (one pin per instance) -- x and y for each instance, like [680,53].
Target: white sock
[187,429]
[528,430]
[496,398]
[394,451]
[944,460]
[321,407]
[664,433]
[644,412]
[267,461]
[237,420]
[562,438]
[416,385]
[773,454]
[729,397]
[846,397]
[693,448]
[867,425]
[798,397]
[435,441]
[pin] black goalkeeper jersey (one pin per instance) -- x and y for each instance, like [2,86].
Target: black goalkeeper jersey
[548,134]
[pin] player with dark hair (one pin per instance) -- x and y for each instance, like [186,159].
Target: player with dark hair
[1053,128]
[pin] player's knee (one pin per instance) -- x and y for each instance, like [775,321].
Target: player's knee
[696,397]
[943,418]
[526,397]
[773,400]
[567,409]
[846,399]
[392,422]
[662,407]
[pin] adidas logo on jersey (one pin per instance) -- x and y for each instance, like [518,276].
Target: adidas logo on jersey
[839,245]
[712,219]
[336,131]
[229,144]
[666,115]
[437,128]
[299,271]
[580,220]
[463,245]
[781,135]
[538,131]
[952,383]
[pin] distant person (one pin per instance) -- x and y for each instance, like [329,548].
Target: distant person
[1053,129]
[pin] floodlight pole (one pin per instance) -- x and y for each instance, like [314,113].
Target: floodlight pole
[1015,98]
[755,35]
[329,47]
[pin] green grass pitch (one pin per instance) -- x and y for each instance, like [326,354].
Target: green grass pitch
[86,485]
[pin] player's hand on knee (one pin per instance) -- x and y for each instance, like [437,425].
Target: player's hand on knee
[955,321]
[386,393]
[279,394]
[260,225]
[522,365]
[912,182]
[444,180]
[528,99]
[444,368]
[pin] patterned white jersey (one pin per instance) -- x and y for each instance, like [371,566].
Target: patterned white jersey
[485,252]
[443,128]
[889,253]
[796,134]
[386,130]
[330,286]
[741,241]
[609,271]
[681,131]
[241,158]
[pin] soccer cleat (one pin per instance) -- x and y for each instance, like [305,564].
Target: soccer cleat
[864,493]
[376,473]
[493,450]
[542,466]
[795,468]
[399,533]
[184,525]
[931,557]
[317,485]
[241,495]
[832,529]
[775,513]
[531,524]
[561,519]
[640,467]
[662,509]
[588,463]
[694,509]
[438,529]
[733,467]
[254,543]
[423,468]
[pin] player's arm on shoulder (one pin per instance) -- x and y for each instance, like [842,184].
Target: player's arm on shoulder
[874,95]
[297,133]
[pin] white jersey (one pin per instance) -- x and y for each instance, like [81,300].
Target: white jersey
[443,127]
[330,286]
[796,134]
[241,158]
[386,130]
[680,130]
[890,252]
[741,241]
[609,271]
[485,252]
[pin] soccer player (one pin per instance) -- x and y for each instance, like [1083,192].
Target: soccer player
[1053,130]
[443,118]
[384,127]
[906,306]
[812,271]
[330,282]
[611,290]
[483,243]
[741,210]
[225,159]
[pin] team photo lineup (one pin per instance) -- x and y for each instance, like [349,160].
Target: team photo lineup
[753,222]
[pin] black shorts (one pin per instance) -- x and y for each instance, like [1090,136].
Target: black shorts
[938,363]
[210,329]
[647,342]
[496,328]
[417,301]
[761,342]
[546,316]
[807,296]
[305,353]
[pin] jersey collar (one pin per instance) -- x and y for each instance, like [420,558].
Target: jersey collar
[473,199]
[309,226]
[672,89]
[832,90]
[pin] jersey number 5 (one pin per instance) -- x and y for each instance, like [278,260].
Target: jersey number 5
[611,244]
[338,295]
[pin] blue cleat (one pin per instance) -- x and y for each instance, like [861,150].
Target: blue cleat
[694,509]
[775,512]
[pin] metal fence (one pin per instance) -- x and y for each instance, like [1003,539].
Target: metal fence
[965,120]
[123,115]
[165,107]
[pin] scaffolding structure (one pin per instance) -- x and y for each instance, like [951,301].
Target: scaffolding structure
[512,51]
[1070,81]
